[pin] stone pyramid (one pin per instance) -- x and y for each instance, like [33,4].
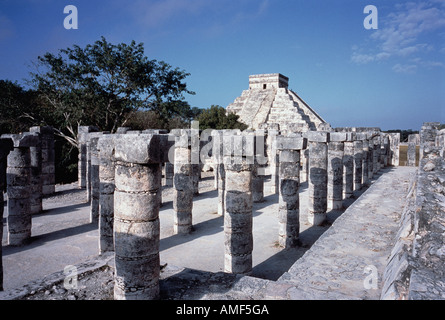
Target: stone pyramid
[269,101]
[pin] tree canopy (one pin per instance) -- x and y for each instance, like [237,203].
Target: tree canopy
[16,105]
[216,118]
[102,85]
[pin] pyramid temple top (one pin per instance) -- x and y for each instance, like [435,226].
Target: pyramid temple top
[268,81]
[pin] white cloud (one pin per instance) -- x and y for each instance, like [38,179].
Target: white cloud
[403,28]
[359,58]
[400,68]
[404,33]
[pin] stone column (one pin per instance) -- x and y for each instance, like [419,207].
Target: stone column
[386,149]
[348,163]
[289,149]
[47,172]
[427,137]
[358,163]
[238,205]
[94,175]
[136,216]
[35,187]
[371,156]
[394,154]
[364,138]
[376,154]
[304,175]
[318,177]
[183,183]
[259,166]
[105,146]
[168,174]
[6,145]
[413,142]
[18,187]
[217,154]
[273,158]
[336,147]
[82,138]
[195,160]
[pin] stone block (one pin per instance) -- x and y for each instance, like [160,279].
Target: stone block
[141,148]
[239,243]
[241,264]
[183,200]
[318,136]
[338,136]
[137,206]
[238,180]
[237,222]
[136,178]
[131,284]
[291,143]
[236,202]
[136,239]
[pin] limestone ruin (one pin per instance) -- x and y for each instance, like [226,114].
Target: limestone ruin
[269,102]
[124,172]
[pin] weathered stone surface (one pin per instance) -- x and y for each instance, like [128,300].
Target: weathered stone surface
[238,204]
[348,169]
[289,200]
[18,187]
[82,137]
[136,217]
[142,148]
[335,173]
[336,266]
[318,179]
[6,145]
[318,136]
[291,143]
[269,103]
[183,183]
[358,164]
[47,170]
[415,268]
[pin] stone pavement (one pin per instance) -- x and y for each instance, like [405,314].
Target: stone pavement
[348,256]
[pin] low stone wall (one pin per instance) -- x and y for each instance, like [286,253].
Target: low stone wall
[416,267]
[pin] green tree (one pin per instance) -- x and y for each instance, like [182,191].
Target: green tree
[176,112]
[102,85]
[216,118]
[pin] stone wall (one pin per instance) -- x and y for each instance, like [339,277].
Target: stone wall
[415,269]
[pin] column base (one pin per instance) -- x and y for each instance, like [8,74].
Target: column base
[317,219]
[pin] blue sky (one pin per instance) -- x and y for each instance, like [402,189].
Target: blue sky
[392,77]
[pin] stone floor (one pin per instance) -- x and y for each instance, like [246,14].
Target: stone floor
[346,253]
